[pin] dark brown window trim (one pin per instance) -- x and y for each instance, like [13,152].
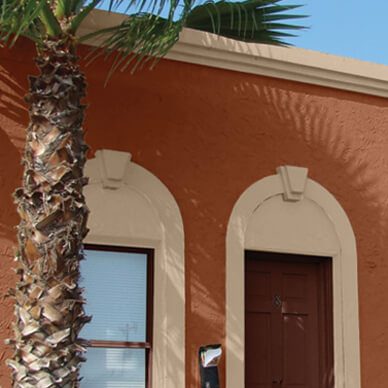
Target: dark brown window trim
[149,314]
[119,344]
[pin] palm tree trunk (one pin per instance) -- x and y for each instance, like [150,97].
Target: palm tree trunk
[48,302]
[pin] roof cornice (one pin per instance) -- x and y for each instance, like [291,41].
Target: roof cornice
[288,63]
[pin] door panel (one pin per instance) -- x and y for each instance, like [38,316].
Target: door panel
[284,325]
[259,325]
[295,350]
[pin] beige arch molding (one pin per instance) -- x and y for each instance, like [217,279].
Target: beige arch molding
[290,213]
[129,206]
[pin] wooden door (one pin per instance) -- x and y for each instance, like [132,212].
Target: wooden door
[288,321]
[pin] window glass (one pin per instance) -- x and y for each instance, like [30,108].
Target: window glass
[115,286]
[114,368]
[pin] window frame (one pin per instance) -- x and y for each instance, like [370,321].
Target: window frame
[147,345]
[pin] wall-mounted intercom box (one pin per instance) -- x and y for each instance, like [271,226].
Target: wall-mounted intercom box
[209,358]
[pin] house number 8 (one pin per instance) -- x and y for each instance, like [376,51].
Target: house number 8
[277,301]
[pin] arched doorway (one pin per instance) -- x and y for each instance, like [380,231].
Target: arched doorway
[290,213]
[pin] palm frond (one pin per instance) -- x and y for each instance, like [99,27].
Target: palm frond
[18,17]
[139,7]
[138,40]
[250,20]
[143,35]
[37,19]
[81,13]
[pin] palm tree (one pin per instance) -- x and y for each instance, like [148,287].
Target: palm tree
[48,301]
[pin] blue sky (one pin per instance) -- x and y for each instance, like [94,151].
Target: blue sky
[350,28]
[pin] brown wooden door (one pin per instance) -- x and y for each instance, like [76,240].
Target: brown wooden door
[288,325]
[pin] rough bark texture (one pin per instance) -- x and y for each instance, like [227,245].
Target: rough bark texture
[49,305]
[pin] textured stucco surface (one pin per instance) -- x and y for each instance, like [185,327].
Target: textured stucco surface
[208,134]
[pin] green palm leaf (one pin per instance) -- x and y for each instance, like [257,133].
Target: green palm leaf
[145,36]
[18,18]
[145,33]
[138,40]
[251,21]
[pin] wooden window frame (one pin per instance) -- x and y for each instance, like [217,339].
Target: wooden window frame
[147,346]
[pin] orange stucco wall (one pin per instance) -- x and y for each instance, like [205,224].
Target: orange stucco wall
[208,134]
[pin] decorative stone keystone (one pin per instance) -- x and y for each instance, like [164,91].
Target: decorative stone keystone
[294,182]
[112,166]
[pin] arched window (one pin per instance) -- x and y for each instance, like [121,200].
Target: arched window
[134,276]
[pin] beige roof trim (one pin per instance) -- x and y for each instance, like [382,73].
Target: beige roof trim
[293,64]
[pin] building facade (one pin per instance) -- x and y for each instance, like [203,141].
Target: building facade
[243,169]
